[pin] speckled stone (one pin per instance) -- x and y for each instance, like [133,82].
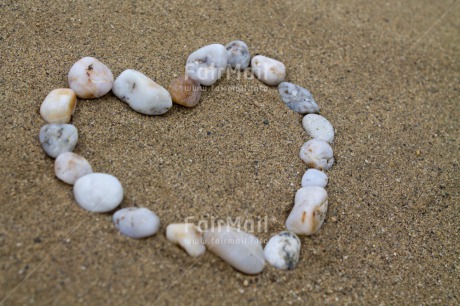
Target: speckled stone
[57,138]
[282,250]
[89,78]
[297,98]
[238,55]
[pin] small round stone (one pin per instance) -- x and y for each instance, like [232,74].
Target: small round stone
[57,138]
[318,127]
[268,70]
[238,55]
[69,167]
[185,91]
[89,78]
[136,222]
[141,93]
[297,98]
[98,192]
[313,177]
[207,64]
[282,250]
[317,154]
[59,106]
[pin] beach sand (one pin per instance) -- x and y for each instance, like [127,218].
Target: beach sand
[385,73]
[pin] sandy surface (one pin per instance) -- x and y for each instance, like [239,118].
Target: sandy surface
[385,73]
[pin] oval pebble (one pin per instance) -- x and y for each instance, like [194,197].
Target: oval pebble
[57,138]
[136,222]
[297,98]
[318,127]
[309,211]
[313,177]
[69,167]
[282,251]
[238,55]
[185,91]
[98,192]
[141,93]
[241,250]
[188,236]
[317,154]
[59,106]
[268,70]
[207,64]
[89,78]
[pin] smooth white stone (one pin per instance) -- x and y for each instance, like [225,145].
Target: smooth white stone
[69,167]
[241,250]
[207,64]
[57,138]
[141,93]
[318,127]
[297,98]
[188,236]
[98,192]
[317,154]
[136,222]
[313,177]
[268,70]
[59,106]
[89,78]
[282,250]
[238,55]
[309,211]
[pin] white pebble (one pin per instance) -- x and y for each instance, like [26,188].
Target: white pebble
[136,222]
[59,106]
[309,211]
[57,138]
[268,70]
[241,250]
[98,192]
[188,236]
[318,127]
[297,98]
[207,64]
[317,154]
[238,55]
[141,93]
[282,250]
[313,177]
[69,167]
[90,78]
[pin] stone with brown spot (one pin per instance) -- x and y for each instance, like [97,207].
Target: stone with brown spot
[309,211]
[59,106]
[185,91]
[69,167]
[89,78]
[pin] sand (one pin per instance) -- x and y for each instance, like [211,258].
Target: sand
[385,73]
